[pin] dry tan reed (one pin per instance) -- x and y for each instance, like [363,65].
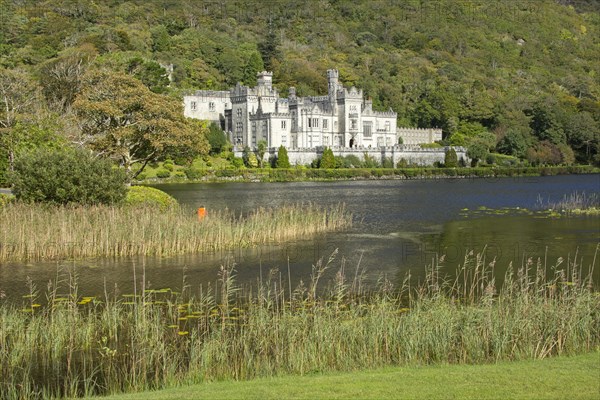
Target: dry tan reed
[33,232]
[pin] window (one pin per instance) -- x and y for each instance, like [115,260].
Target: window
[353,108]
[325,124]
[239,127]
[283,139]
[239,112]
[387,126]
[194,106]
[380,142]
[211,106]
[326,140]
[283,125]
[316,122]
[353,124]
[367,129]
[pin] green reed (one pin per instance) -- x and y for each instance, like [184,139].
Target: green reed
[77,346]
[34,232]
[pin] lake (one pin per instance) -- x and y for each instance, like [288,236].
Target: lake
[399,225]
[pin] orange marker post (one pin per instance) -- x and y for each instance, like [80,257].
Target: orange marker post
[201,213]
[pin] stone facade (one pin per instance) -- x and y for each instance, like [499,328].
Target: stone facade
[343,118]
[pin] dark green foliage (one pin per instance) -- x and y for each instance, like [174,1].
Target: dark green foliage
[269,48]
[150,73]
[66,176]
[282,158]
[476,152]
[327,160]
[216,138]
[513,143]
[451,159]
[254,65]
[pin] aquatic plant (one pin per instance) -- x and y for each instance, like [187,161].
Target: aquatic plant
[576,203]
[156,338]
[35,232]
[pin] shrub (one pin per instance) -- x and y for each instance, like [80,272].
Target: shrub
[143,196]
[387,163]
[163,173]
[5,199]
[237,162]
[168,165]
[67,176]
[328,159]
[369,162]
[283,160]
[402,163]
[141,176]
[194,173]
[179,174]
[216,138]
[451,158]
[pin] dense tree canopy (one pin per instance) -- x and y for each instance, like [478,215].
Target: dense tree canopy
[524,73]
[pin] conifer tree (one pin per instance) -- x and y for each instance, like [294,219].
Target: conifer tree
[451,159]
[328,160]
[283,160]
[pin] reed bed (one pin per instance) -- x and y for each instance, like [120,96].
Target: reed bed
[576,203]
[79,346]
[34,232]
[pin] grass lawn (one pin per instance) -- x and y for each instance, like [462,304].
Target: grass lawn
[575,377]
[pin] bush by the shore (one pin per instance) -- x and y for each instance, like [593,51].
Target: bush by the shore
[144,196]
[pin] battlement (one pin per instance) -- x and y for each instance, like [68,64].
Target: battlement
[223,94]
[352,93]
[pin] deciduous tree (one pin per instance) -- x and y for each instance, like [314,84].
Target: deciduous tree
[123,119]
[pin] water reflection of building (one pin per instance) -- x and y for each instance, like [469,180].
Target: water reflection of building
[342,118]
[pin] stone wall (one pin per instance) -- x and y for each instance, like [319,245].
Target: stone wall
[413,154]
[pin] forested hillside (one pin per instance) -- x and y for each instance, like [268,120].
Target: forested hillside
[514,77]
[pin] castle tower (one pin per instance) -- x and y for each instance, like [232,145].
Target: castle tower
[265,79]
[332,81]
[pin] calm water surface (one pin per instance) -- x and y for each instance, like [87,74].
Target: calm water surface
[399,226]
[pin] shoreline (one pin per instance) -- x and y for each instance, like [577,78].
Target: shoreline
[361,174]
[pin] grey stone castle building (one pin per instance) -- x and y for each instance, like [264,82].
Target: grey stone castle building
[341,119]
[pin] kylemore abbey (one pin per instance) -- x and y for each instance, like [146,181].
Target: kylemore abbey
[343,120]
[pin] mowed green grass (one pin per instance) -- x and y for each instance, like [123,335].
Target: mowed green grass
[576,377]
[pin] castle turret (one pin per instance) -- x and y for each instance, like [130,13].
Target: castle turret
[265,79]
[332,80]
